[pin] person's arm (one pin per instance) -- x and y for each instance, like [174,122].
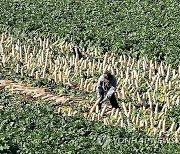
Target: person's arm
[99,86]
[112,89]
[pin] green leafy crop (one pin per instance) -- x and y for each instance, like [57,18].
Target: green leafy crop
[125,27]
[34,127]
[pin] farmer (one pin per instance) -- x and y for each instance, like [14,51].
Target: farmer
[75,49]
[105,89]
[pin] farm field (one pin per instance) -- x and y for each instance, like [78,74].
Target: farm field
[47,92]
[147,92]
[136,28]
[29,126]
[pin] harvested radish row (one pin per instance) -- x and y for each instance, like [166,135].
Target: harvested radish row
[147,90]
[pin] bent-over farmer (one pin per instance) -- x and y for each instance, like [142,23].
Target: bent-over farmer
[105,89]
[75,49]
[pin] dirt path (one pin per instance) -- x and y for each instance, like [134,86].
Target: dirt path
[64,102]
[39,93]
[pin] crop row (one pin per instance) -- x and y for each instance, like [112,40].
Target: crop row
[147,90]
[132,27]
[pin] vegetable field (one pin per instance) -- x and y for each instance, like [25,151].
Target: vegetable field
[148,91]
[47,92]
[35,128]
[137,28]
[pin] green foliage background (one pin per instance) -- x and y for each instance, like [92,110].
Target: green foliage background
[137,28]
[35,128]
[148,27]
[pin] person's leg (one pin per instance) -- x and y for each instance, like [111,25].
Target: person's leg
[113,101]
[100,104]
